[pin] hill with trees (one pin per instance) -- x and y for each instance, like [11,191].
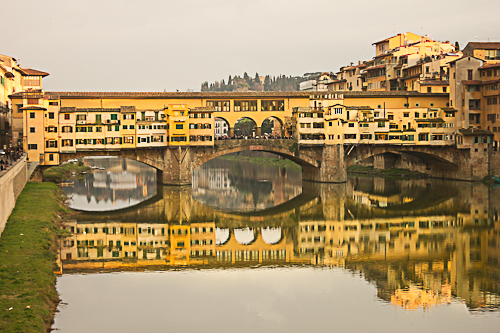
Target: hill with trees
[257,83]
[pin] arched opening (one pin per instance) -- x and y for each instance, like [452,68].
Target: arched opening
[245,127]
[272,128]
[222,129]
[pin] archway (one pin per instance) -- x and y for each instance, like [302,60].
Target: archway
[222,129]
[245,127]
[272,127]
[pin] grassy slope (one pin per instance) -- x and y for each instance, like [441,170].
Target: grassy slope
[27,262]
[63,172]
[264,160]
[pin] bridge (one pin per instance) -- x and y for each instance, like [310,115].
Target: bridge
[320,163]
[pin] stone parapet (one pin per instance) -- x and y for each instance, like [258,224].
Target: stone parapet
[12,183]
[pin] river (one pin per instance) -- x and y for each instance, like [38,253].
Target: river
[250,247]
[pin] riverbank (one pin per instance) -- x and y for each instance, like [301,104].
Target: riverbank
[274,161]
[390,173]
[61,173]
[28,296]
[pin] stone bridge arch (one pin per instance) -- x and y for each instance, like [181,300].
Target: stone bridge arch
[438,161]
[284,148]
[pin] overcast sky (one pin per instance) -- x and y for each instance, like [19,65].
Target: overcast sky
[161,45]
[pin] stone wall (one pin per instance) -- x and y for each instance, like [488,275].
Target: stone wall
[12,183]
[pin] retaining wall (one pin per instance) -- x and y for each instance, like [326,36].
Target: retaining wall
[12,183]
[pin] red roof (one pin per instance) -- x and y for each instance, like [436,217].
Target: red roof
[486,66]
[31,72]
[472,82]
[376,67]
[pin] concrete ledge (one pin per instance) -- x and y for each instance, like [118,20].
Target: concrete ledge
[12,182]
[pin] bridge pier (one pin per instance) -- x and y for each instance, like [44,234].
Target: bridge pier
[177,168]
[332,168]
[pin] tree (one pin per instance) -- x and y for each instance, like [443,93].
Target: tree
[247,79]
[204,86]
[457,46]
[267,83]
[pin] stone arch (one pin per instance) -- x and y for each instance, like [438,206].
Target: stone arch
[445,157]
[283,148]
[152,157]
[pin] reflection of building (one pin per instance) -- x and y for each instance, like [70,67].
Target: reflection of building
[442,247]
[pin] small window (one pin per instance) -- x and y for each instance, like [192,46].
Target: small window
[51,115]
[32,130]
[32,115]
[179,126]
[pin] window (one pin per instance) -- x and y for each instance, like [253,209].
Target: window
[51,144]
[474,104]
[179,126]
[406,114]
[89,129]
[429,89]
[51,115]
[273,105]
[128,139]
[32,130]
[66,116]
[98,129]
[32,115]
[54,103]
[32,100]
[67,143]
[80,129]
[178,139]
[220,106]
[98,118]
[81,117]
[132,126]
[32,146]
[381,124]
[338,110]
[51,129]
[114,116]
[245,105]
[125,127]
[351,124]
[31,80]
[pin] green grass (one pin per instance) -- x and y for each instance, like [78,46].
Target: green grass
[64,172]
[27,260]
[264,160]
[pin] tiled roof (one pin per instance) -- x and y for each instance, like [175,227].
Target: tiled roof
[471,82]
[474,131]
[484,45]
[32,108]
[202,109]
[197,95]
[435,83]
[486,66]
[430,120]
[358,108]
[376,67]
[30,72]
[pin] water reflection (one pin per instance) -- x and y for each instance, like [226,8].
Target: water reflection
[115,183]
[423,243]
[241,186]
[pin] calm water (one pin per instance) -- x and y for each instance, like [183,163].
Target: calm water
[250,248]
